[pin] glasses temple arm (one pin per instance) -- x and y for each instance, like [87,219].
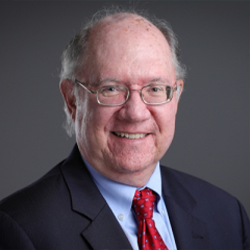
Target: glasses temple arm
[83,86]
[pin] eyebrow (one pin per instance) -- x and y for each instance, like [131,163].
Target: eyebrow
[103,80]
[158,79]
[109,79]
[116,80]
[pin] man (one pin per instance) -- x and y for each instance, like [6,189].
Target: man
[121,81]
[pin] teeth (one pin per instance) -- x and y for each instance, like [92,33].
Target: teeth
[130,136]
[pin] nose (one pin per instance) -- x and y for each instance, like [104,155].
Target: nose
[134,110]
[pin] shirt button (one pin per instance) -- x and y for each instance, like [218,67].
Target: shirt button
[120,216]
[162,212]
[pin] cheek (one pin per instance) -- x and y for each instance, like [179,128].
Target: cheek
[94,122]
[165,120]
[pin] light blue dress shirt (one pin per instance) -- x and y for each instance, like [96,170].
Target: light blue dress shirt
[119,198]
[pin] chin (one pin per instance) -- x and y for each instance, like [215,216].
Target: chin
[133,165]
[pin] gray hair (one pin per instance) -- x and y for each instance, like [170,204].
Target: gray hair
[73,56]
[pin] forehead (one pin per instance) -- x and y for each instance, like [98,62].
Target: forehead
[125,28]
[124,22]
[126,43]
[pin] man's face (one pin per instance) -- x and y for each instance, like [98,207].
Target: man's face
[134,53]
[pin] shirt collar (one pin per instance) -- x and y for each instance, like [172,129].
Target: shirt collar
[120,196]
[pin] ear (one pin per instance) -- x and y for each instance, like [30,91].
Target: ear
[67,90]
[180,85]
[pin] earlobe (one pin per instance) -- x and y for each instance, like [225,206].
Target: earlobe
[67,90]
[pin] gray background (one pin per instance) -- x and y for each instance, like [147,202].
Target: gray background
[212,133]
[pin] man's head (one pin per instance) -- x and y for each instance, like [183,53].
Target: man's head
[122,142]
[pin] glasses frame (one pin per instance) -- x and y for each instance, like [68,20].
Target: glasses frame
[173,89]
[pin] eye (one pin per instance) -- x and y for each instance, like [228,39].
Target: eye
[111,90]
[155,90]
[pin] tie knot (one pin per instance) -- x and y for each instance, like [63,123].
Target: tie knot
[143,203]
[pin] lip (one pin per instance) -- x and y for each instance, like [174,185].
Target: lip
[130,136]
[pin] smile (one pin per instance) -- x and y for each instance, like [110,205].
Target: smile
[130,136]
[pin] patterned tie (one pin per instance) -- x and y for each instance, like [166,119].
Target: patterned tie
[148,236]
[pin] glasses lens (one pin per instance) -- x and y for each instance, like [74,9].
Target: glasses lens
[156,94]
[112,95]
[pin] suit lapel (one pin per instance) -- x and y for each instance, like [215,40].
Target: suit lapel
[105,233]
[189,231]
[103,230]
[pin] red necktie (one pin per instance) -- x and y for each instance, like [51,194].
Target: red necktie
[148,236]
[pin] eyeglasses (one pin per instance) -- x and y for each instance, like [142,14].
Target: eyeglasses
[117,95]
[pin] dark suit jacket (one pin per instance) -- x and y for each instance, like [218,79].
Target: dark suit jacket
[65,210]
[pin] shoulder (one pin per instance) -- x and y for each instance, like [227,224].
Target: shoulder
[29,199]
[221,212]
[194,185]
[209,201]
[23,211]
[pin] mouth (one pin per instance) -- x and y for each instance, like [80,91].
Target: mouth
[129,135]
